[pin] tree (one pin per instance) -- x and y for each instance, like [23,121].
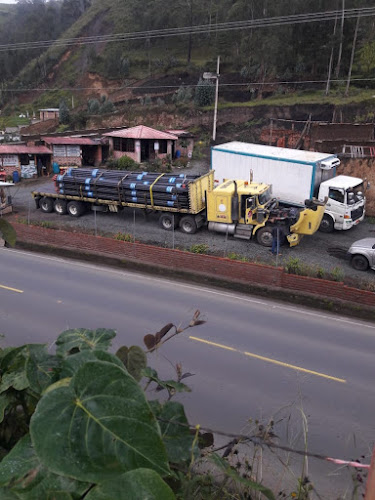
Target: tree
[204,93]
[64,114]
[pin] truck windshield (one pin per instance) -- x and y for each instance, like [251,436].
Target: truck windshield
[264,197]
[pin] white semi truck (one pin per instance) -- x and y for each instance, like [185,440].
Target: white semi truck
[295,176]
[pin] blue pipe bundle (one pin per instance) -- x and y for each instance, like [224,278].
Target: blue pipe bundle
[151,188]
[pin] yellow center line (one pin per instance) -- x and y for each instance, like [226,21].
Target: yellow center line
[270,360]
[11,289]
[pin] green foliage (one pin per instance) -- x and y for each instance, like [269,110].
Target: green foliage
[183,94]
[64,114]
[77,424]
[237,256]
[126,163]
[337,274]
[7,232]
[204,93]
[294,266]
[124,237]
[201,248]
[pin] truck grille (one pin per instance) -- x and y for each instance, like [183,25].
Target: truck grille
[357,213]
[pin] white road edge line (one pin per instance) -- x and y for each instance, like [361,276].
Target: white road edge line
[192,287]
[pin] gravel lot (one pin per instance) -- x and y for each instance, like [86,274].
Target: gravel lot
[311,252]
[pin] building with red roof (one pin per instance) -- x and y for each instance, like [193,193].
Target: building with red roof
[23,159]
[75,151]
[141,143]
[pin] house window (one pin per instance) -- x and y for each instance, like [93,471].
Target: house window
[163,147]
[125,145]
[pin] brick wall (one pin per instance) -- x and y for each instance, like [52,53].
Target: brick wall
[217,267]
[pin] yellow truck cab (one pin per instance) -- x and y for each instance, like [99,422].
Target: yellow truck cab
[246,209]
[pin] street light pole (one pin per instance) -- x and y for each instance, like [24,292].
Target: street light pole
[213,76]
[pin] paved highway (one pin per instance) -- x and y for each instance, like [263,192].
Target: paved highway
[254,358]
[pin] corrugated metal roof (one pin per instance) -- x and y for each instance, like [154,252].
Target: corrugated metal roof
[22,149]
[141,132]
[81,141]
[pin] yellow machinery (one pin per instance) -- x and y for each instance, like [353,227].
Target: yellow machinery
[245,210]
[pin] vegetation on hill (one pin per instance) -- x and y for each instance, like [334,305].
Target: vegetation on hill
[256,62]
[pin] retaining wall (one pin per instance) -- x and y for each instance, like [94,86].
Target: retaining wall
[206,265]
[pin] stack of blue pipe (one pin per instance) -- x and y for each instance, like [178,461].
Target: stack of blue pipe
[168,190]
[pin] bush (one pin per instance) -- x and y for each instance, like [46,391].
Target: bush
[126,163]
[294,266]
[337,274]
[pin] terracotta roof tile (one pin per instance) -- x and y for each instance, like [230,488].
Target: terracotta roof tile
[141,132]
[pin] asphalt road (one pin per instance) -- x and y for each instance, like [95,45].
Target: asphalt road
[253,358]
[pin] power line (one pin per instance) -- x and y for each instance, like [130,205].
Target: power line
[158,87]
[199,29]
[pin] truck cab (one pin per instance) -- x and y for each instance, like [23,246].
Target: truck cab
[245,210]
[345,207]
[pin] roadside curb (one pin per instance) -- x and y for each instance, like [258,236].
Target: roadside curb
[295,297]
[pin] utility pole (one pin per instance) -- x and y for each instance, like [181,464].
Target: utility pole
[213,76]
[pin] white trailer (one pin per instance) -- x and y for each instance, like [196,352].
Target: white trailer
[295,176]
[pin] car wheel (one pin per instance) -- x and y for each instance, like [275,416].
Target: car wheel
[188,225]
[264,236]
[60,207]
[359,262]
[326,226]
[46,205]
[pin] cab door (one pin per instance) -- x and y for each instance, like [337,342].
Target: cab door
[250,212]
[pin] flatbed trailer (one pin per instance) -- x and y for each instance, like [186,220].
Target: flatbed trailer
[189,219]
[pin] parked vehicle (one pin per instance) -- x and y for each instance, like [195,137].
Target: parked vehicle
[362,254]
[295,176]
[239,208]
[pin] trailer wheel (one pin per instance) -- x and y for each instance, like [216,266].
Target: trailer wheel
[326,226]
[75,208]
[168,221]
[46,205]
[188,225]
[264,236]
[60,207]
[359,262]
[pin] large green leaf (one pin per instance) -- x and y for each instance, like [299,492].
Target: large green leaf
[73,362]
[13,366]
[140,484]
[134,359]
[81,339]
[41,369]
[4,402]
[175,431]
[20,467]
[100,425]
[7,232]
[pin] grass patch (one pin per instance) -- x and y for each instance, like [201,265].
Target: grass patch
[199,248]
[124,237]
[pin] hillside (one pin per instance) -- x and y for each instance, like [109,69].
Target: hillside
[112,53]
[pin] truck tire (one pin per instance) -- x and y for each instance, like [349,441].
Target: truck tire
[75,208]
[168,221]
[359,262]
[60,207]
[46,205]
[326,226]
[264,236]
[188,224]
